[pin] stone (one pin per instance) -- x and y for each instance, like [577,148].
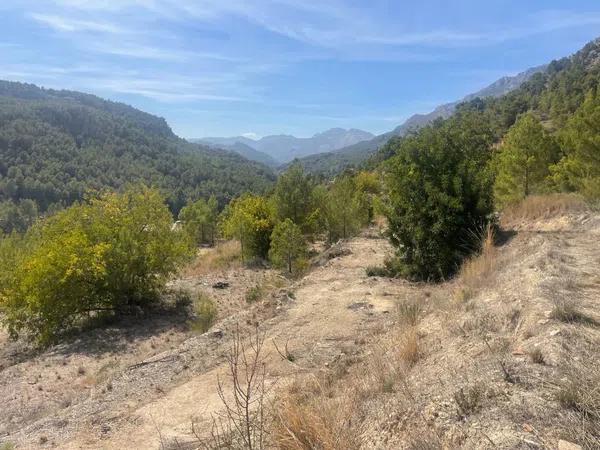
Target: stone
[220,285]
[566,445]
[216,333]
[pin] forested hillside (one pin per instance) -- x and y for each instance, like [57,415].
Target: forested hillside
[55,145]
[555,97]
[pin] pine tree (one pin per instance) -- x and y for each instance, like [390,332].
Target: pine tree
[523,160]
[287,245]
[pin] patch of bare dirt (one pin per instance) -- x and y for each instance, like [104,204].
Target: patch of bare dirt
[464,378]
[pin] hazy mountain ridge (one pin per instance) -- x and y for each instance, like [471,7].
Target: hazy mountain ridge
[241,149]
[355,154]
[284,148]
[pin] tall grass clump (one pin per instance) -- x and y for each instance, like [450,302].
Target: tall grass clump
[479,269]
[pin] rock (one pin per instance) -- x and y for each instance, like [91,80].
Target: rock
[335,251]
[220,285]
[216,333]
[360,305]
[566,445]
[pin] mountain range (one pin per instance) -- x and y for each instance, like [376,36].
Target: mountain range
[333,162]
[279,149]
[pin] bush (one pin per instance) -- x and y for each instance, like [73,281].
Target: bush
[101,257]
[253,294]
[249,219]
[377,271]
[205,312]
[439,190]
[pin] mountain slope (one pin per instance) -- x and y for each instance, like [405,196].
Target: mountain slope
[239,147]
[355,154]
[284,148]
[55,145]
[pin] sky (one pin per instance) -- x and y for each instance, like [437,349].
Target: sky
[260,67]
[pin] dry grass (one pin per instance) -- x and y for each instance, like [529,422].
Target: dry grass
[309,417]
[409,312]
[409,347]
[478,270]
[579,395]
[537,207]
[566,311]
[537,356]
[225,255]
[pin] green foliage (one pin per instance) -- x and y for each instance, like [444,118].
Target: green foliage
[249,219]
[579,169]
[17,216]
[199,220]
[287,246]
[346,208]
[254,294]
[99,257]
[523,160]
[293,196]
[56,145]
[439,191]
[205,313]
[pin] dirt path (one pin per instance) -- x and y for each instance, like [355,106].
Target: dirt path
[334,309]
[332,313]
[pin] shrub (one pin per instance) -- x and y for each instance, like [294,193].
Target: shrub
[439,190]
[249,219]
[537,356]
[376,271]
[104,256]
[468,400]
[205,312]
[253,294]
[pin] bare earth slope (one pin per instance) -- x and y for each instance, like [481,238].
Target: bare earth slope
[140,385]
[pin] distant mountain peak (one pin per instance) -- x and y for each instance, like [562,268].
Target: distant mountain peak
[284,147]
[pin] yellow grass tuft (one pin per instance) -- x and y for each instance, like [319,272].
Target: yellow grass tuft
[225,255]
[307,417]
[536,207]
[479,269]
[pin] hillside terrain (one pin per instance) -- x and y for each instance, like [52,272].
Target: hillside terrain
[55,145]
[284,148]
[485,371]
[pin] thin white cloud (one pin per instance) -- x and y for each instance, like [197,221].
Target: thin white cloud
[65,24]
[251,135]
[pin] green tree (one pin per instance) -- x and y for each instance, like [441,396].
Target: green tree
[579,169]
[346,209]
[523,160]
[293,195]
[249,219]
[439,192]
[199,220]
[100,257]
[287,245]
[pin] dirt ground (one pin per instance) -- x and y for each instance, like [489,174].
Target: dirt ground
[131,385]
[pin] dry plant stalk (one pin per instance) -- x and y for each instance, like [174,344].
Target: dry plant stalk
[242,425]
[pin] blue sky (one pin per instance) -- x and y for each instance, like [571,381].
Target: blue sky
[230,67]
